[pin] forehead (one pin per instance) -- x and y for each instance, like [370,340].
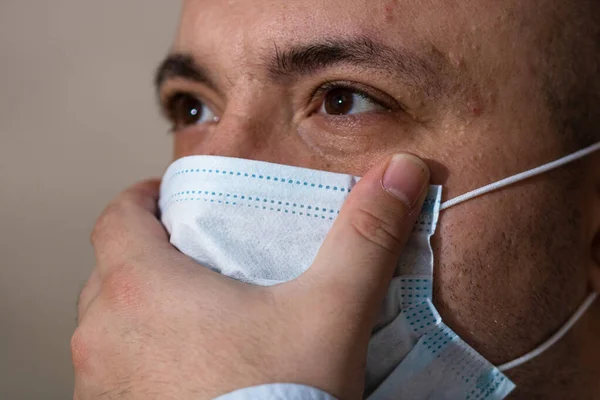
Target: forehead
[410,23]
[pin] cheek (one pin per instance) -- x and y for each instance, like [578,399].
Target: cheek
[505,273]
[187,143]
[355,144]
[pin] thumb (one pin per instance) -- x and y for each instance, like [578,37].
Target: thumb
[360,253]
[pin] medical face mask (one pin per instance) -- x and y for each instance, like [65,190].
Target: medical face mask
[263,224]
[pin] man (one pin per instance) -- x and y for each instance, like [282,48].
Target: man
[479,90]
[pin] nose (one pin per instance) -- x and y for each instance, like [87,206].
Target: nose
[242,136]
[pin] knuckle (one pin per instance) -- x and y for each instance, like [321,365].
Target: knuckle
[110,222]
[375,228]
[80,350]
[125,289]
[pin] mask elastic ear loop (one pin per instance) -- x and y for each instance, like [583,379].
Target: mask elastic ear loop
[522,176]
[555,338]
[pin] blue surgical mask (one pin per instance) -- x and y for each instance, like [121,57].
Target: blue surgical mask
[263,223]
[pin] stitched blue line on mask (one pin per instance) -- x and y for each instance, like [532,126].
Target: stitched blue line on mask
[472,358]
[417,229]
[493,389]
[256,198]
[261,177]
[488,389]
[429,204]
[413,320]
[492,386]
[266,208]
[262,200]
[442,337]
[415,280]
[462,366]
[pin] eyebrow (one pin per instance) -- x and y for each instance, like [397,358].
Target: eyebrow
[183,66]
[408,67]
[361,51]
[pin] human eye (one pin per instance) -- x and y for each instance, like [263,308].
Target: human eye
[339,99]
[185,109]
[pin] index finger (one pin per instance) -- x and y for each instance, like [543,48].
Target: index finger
[129,226]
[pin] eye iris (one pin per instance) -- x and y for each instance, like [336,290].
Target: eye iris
[339,102]
[188,110]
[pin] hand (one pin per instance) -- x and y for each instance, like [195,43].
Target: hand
[155,324]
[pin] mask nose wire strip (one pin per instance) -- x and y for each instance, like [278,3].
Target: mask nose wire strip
[519,177]
[555,338]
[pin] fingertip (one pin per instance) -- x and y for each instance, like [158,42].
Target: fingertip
[406,178]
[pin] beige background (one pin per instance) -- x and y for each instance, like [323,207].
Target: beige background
[78,122]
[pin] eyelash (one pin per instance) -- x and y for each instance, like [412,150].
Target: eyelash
[321,91]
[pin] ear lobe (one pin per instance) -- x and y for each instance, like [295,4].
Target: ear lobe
[595,271]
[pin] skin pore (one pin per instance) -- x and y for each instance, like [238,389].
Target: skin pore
[474,89]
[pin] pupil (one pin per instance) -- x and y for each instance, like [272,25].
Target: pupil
[188,110]
[339,102]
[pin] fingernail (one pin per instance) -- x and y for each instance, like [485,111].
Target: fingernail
[406,178]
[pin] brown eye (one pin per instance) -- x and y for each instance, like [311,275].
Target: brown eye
[185,110]
[339,101]
[345,101]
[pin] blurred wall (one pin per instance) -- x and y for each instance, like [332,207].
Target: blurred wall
[78,123]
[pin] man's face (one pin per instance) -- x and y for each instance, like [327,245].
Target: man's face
[337,85]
